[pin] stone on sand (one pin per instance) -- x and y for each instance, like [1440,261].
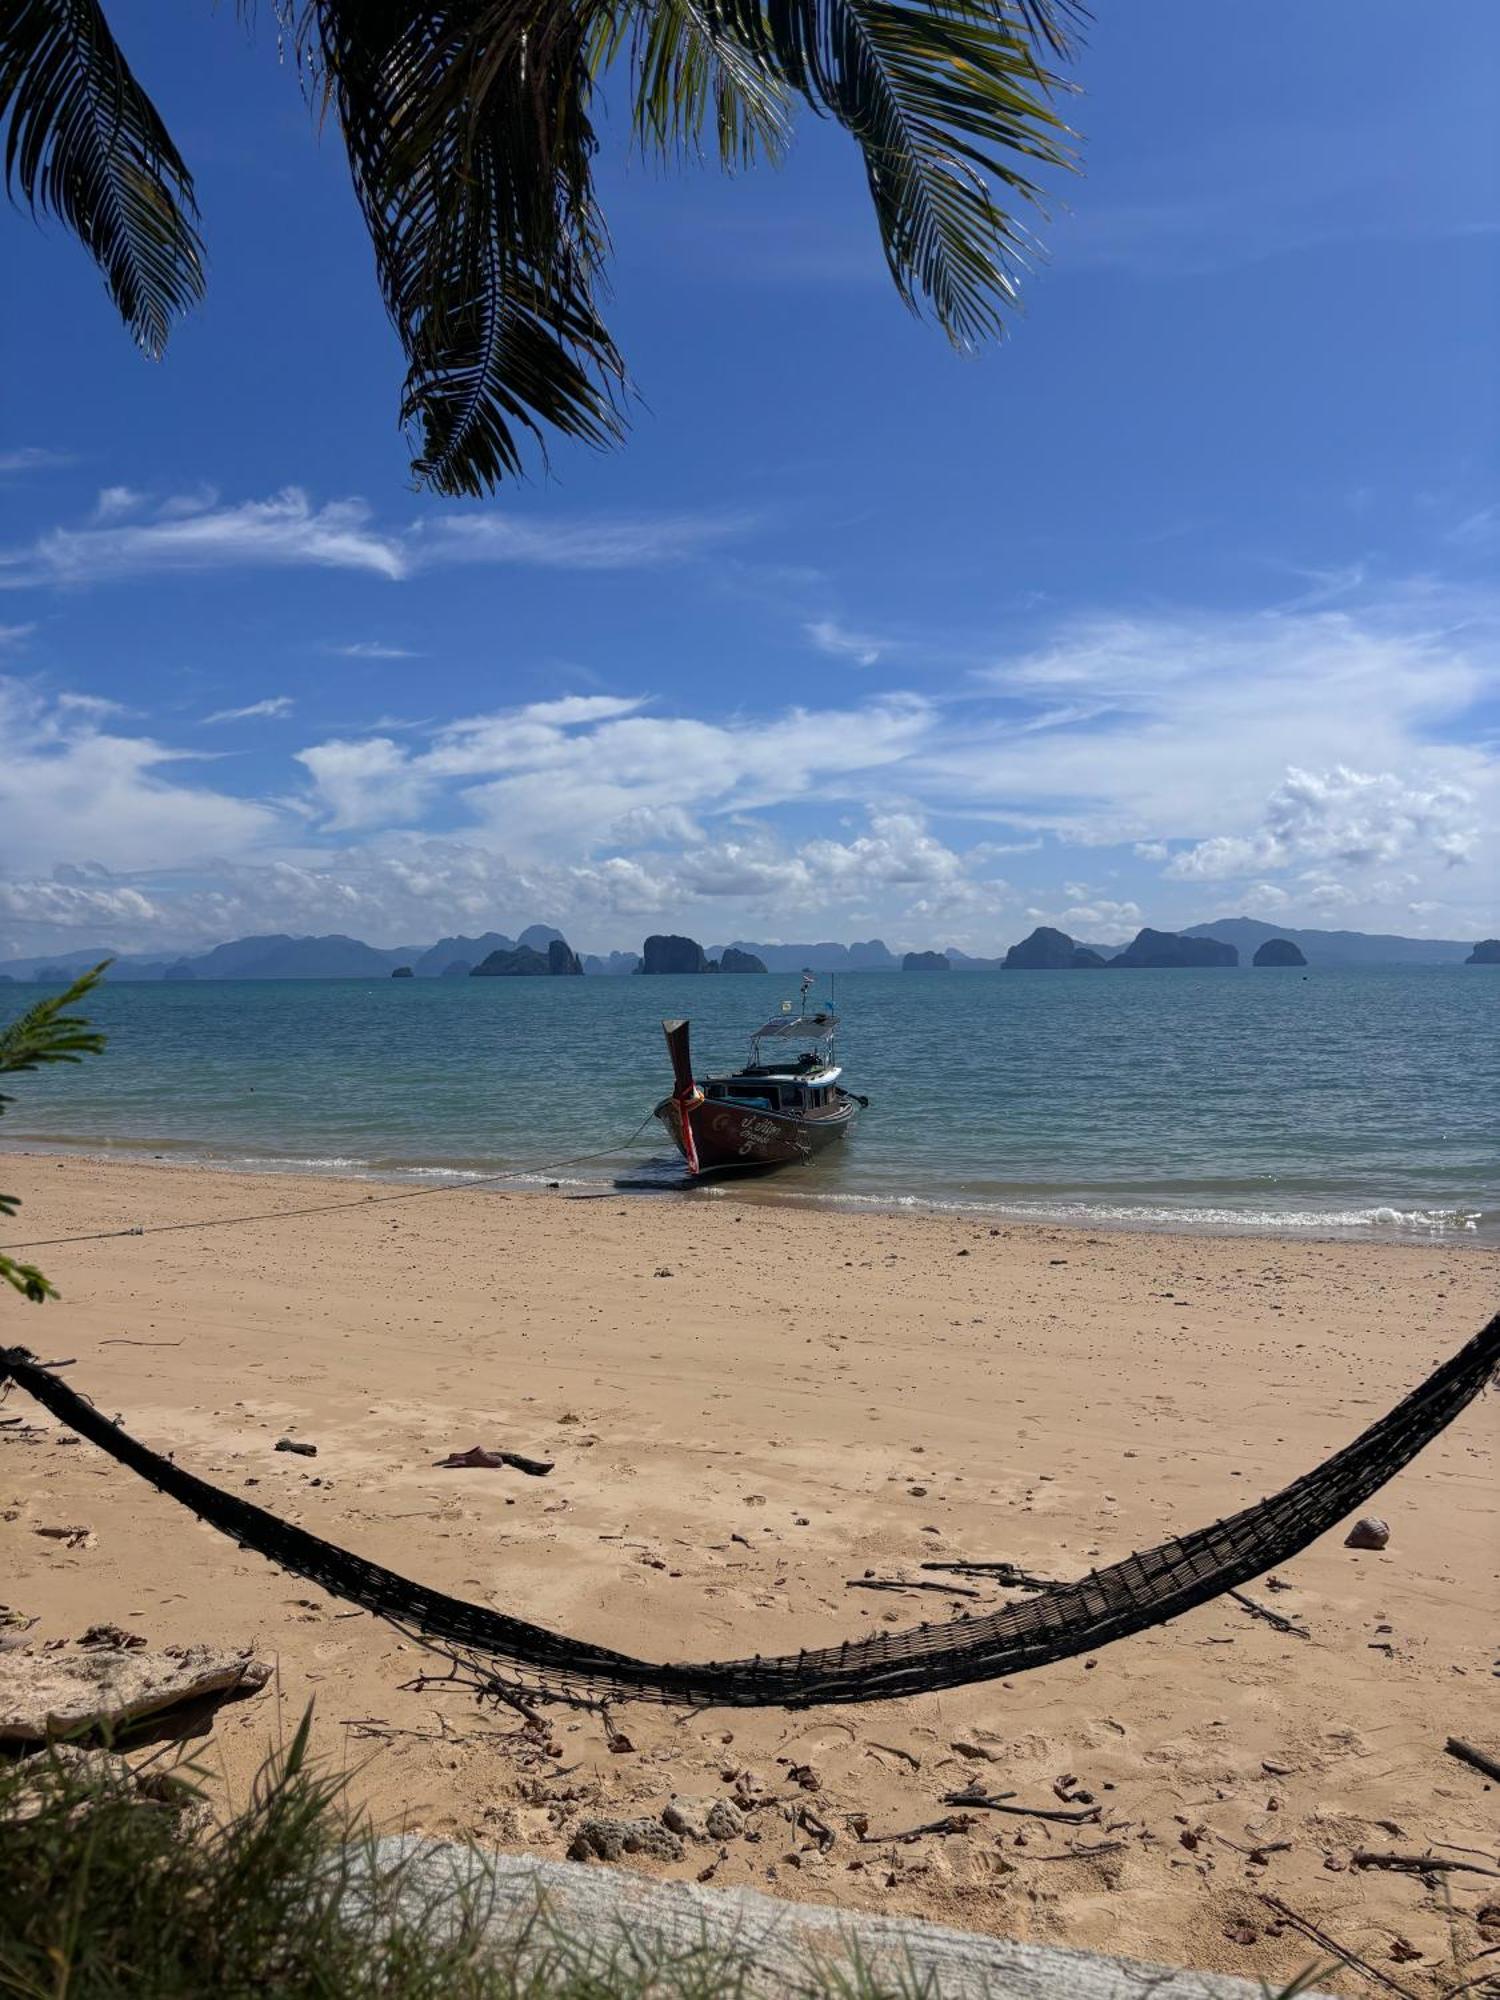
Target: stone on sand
[43,1695]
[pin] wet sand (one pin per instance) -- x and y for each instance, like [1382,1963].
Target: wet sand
[749,1407]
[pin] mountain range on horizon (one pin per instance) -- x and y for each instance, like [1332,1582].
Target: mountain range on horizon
[280,956]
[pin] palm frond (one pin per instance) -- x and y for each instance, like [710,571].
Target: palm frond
[45,1033]
[688,76]
[948,100]
[48,1033]
[468,131]
[84,142]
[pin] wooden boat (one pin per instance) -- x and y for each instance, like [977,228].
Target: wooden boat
[768,1114]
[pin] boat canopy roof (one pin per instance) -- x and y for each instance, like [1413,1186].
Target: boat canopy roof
[815,1027]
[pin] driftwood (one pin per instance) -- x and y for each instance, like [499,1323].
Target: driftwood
[1086,1816]
[1479,1760]
[1340,1951]
[954,1823]
[1271,1617]
[1418,1864]
[895,1583]
[46,1695]
[1003,1573]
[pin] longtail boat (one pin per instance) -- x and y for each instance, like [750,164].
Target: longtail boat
[771,1113]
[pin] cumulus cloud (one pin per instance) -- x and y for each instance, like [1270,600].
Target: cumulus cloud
[561,774]
[1356,819]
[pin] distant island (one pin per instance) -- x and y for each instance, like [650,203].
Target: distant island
[279,956]
[1278,951]
[1157,950]
[684,954]
[525,962]
[1048,950]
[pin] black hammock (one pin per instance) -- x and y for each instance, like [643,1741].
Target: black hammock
[1133,1595]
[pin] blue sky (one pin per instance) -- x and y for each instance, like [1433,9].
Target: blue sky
[1179,603]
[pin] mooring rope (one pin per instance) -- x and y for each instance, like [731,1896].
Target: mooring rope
[329,1207]
[1129,1596]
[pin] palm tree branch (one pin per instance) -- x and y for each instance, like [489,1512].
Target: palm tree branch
[944,98]
[469,139]
[84,142]
[687,74]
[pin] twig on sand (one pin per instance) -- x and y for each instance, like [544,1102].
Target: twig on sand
[1478,1760]
[895,1583]
[954,1823]
[1271,1617]
[1418,1864]
[895,1750]
[1259,1851]
[121,1340]
[1088,1815]
[1000,1572]
[1340,1951]
[1079,1853]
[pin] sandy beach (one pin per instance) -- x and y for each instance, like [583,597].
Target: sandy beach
[750,1408]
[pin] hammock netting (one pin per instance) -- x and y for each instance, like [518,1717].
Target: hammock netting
[1141,1591]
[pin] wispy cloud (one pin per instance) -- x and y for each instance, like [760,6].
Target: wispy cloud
[273,705]
[289,530]
[33,458]
[373,649]
[13,635]
[829,636]
[115,502]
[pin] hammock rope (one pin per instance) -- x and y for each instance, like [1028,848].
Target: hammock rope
[1142,1591]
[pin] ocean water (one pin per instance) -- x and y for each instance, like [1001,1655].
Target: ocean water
[1329,1101]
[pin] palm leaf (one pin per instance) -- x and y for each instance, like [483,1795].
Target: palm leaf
[48,1033]
[946,99]
[45,1033]
[468,132]
[84,142]
[687,74]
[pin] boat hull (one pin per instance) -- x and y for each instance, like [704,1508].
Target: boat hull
[737,1135]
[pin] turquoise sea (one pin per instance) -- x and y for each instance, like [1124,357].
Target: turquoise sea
[1363,1101]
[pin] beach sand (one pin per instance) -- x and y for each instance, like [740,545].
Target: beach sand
[748,1406]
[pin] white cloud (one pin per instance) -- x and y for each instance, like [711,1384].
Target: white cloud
[32,458]
[15,635]
[114,502]
[829,636]
[559,775]
[1192,717]
[194,533]
[1356,819]
[1166,738]
[273,705]
[73,789]
[373,649]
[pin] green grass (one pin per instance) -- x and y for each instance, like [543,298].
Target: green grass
[110,1886]
[109,1893]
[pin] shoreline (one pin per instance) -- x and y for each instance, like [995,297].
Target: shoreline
[752,1411]
[1379,1223]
